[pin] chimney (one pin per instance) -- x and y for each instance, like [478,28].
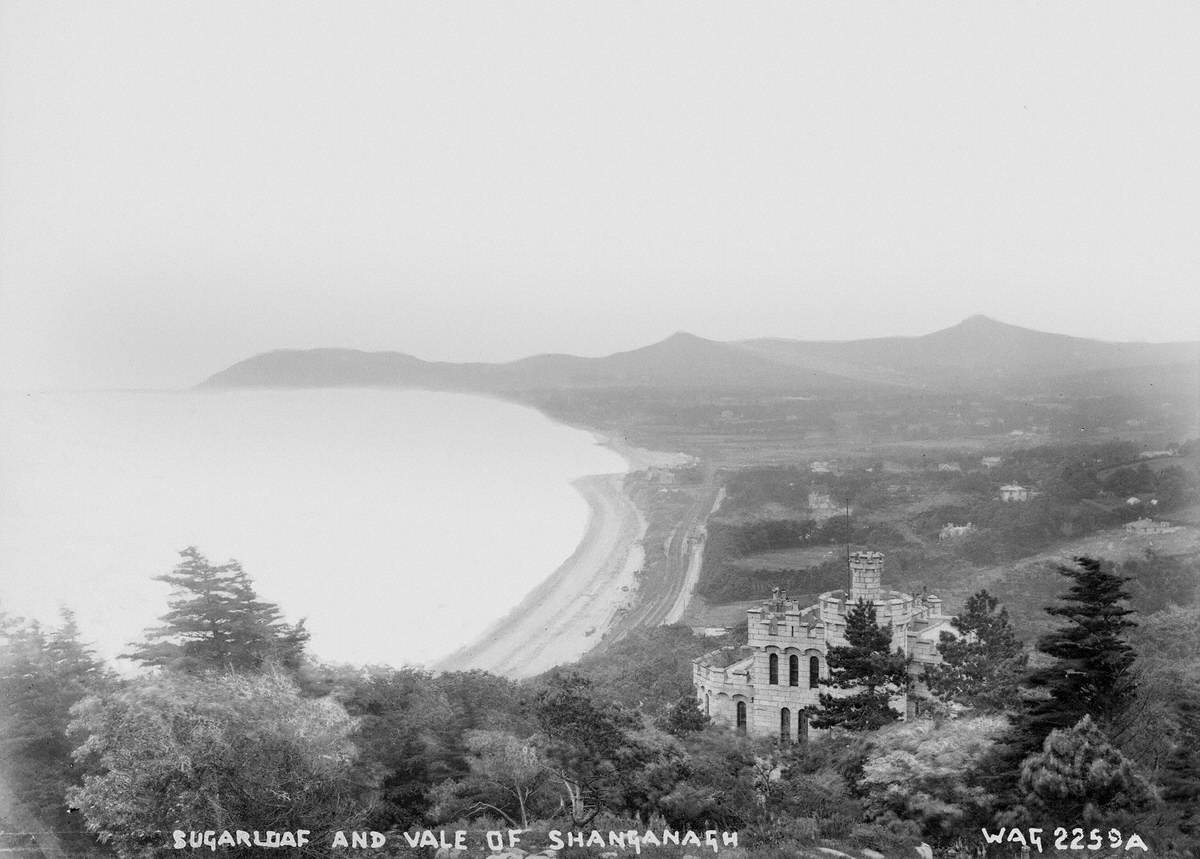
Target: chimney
[866,569]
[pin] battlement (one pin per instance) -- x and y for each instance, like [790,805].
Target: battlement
[866,573]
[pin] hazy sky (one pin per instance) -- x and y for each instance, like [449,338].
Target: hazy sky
[184,184]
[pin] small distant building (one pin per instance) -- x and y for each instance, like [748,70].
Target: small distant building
[991,461]
[950,531]
[711,631]
[1146,527]
[663,475]
[820,466]
[949,466]
[1014,492]
[822,506]
[1133,501]
[1155,454]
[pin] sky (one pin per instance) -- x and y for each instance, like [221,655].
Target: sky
[183,185]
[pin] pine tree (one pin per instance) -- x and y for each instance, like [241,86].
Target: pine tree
[981,666]
[1092,672]
[1079,776]
[1090,675]
[42,675]
[217,622]
[868,666]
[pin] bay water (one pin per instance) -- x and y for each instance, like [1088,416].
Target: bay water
[400,524]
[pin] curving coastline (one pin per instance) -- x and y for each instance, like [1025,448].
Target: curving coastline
[566,615]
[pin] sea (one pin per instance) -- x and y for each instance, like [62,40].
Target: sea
[398,524]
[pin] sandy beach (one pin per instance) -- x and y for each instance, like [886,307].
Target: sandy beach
[565,615]
[568,613]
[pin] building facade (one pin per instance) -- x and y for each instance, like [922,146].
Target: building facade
[1014,492]
[771,686]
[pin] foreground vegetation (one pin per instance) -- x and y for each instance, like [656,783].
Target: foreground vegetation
[230,725]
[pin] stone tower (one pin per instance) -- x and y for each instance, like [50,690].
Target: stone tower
[866,569]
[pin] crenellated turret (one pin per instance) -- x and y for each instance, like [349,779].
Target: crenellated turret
[866,572]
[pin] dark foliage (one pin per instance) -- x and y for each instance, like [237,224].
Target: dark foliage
[868,665]
[217,622]
[983,665]
[43,674]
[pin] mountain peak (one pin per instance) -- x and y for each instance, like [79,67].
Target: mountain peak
[980,320]
[684,337]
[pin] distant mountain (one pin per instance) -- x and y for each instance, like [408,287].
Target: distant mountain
[979,352]
[680,361]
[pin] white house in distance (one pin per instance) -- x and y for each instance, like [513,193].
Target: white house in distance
[950,531]
[771,686]
[1014,492]
[1146,527]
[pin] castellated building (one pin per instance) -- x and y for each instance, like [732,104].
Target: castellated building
[770,686]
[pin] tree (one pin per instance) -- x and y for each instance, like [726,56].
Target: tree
[1091,674]
[400,714]
[588,746]
[223,752]
[1079,776]
[683,717]
[982,665]
[512,766]
[711,783]
[914,772]
[42,675]
[216,622]
[866,665]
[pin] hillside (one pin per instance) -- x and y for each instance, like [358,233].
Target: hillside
[680,361]
[979,352]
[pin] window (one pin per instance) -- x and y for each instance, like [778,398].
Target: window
[802,718]
[773,669]
[785,725]
[814,672]
[707,705]
[793,670]
[741,716]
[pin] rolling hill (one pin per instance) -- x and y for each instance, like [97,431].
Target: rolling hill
[977,353]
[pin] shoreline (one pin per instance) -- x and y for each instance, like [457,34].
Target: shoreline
[569,612]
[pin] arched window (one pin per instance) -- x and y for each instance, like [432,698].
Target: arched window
[741,716]
[773,669]
[802,727]
[785,725]
[814,672]
[707,705]
[793,670]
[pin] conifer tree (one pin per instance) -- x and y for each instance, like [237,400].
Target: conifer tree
[866,665]
[1079,776]
[217,622]
[981,666]
[1092,672]
[43,673]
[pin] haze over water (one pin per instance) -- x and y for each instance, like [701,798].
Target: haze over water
[400,523]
